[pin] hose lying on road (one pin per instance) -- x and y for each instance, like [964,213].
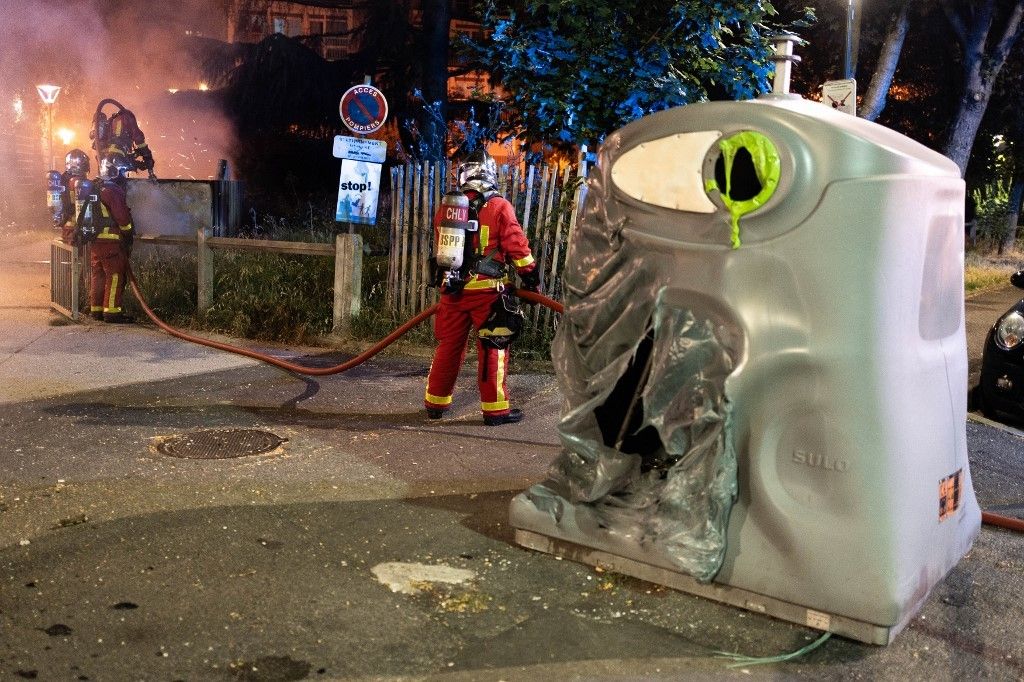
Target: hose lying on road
[1008,522]
[303,369]
[986,517]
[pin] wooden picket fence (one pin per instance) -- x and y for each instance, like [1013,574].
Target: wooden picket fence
[545,198]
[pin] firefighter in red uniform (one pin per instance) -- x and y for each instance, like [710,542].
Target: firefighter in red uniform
[76,170]
[111,238]
[467,299]
[121,133]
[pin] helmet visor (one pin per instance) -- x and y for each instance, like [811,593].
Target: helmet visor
[479,175]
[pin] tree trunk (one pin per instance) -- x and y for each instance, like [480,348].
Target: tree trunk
[436,22]
[1013,209]
[968,117]
[972,25]
[888,58]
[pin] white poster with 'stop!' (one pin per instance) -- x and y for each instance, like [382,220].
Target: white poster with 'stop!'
[358,192]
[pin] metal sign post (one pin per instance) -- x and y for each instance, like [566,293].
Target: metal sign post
[363,110]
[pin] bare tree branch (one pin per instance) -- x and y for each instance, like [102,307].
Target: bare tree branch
[956,21]
[1010,33]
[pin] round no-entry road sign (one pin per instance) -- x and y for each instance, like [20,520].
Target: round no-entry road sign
[363,109]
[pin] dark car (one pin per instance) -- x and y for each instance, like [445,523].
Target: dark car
[1001,386]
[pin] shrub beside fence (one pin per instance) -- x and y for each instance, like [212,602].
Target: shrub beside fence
[66,270]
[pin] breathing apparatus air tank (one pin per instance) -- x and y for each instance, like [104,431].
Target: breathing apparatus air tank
[88,197]
[54,201]
[451,233]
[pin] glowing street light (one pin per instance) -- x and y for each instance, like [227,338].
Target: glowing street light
[65,135]
[49,93]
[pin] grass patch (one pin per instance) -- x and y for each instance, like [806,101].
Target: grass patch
[167,279]
[263,296]
[983,271]
[289,299]
[271,296]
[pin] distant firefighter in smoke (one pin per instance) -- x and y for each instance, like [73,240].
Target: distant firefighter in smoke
[62,190]
[76,173]
[121,133]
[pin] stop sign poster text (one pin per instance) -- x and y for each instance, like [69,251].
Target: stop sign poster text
[358,192]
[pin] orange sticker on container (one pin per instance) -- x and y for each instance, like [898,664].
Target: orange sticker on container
[950,494]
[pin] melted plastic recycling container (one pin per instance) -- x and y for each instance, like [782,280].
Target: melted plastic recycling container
[764,366]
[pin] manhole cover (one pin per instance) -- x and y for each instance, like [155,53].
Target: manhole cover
[219,444]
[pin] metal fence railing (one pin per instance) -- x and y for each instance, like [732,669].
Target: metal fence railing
[66,274]
[65,278]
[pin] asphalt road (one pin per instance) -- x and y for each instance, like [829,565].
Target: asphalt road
[119,562]
[981,312]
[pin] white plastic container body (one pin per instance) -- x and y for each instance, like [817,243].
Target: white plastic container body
[850,407]
[849,397]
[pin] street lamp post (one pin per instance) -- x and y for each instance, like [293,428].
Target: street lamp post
[49,93]
[852,38]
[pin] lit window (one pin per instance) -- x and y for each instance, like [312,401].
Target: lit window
[287,24]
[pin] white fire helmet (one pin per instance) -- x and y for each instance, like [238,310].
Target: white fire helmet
[479,172]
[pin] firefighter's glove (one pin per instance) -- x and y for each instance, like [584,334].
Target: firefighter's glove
[530,281]
[128,238]
[146,158]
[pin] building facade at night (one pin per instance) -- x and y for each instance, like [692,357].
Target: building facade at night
[331,28]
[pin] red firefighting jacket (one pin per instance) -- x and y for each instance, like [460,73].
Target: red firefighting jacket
[117,217]
[501,237]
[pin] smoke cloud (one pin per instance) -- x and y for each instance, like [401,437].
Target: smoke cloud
[141,54]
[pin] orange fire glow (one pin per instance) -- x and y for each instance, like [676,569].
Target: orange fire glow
[65,135]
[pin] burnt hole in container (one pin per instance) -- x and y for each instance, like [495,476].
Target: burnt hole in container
[621,416]
[743,183]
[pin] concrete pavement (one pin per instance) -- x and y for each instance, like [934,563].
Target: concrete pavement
[118,562]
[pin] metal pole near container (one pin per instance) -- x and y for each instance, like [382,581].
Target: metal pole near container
[48,93]
[852,38]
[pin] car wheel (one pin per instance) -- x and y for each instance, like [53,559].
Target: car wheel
[984,406]
[974,399]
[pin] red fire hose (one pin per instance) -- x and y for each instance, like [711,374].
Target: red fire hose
[986,517]
[1007,522]
[303,369]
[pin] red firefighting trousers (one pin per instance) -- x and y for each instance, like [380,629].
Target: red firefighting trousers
[108,261]
[457,315]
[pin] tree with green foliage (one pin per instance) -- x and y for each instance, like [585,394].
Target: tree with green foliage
[996,165]
[578,70]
